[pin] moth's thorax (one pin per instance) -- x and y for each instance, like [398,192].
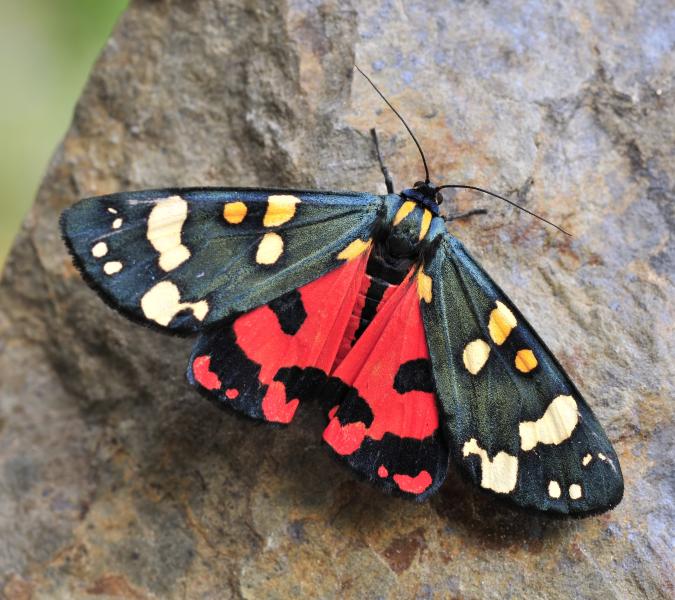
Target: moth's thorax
[409,228]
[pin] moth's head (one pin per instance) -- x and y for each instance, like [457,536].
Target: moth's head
[426,194]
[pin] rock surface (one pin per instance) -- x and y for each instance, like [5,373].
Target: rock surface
[118,480]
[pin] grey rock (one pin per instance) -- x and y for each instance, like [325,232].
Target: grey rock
[118,480]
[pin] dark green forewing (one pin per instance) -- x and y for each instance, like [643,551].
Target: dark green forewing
[514,421]
[186,258]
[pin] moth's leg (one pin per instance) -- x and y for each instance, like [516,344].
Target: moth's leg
[389,182]
[464,215]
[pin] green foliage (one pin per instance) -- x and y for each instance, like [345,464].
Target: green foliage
[46,51]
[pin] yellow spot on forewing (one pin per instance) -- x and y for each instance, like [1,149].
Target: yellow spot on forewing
[112,267]
[426,223]
[601,456]
[280,209]
[424,284]
[99,250]
[501,323]
[234,212]
[575,491]
[356,248]
[406,208]
[554,489]
[526,360]
[586,459]
[165,225]
[475,355]
[499,474]
[112,211]
[117,223]
[162,303]
[270,249]
[554,427]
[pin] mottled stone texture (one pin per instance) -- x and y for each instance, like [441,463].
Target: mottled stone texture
[117,480]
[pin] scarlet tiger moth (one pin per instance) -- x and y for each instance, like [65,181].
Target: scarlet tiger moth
[366,306]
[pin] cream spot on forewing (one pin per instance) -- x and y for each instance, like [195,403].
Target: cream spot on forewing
[280,209]
[554,427]
[406,208]
[554,489]
[501,323]
[112,211]
[162,303]
[526,361]
[112,267]
[356,248]
[424,282]
[499,474]
[165,225]
[608,460]
[99,250]
[586,459]
[475,355]
[234,212]
[575,491]
[426,223]
[271,247]
[117,223]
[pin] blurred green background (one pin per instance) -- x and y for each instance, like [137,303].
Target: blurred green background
[47,48]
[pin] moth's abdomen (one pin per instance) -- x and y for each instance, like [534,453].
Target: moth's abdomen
[373,292]
[385,271]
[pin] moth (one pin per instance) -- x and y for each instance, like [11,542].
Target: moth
[366,306]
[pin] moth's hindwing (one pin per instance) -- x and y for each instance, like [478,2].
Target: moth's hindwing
[185,258]
[387,426]
[514,421]
[266,362]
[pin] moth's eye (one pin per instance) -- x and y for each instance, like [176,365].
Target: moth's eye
[439,198]
[418,184]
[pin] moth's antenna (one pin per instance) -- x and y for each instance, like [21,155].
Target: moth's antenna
[456,186]
[511,202]
[412,135]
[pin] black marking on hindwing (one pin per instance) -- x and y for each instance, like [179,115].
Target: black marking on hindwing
[234,369]
[414,375]
[290,311]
